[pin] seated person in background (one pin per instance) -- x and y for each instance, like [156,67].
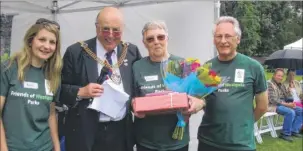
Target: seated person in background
[293,87]
[292,114]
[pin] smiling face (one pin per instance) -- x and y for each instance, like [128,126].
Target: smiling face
[226,39]
[109,28]
[155,40]
[43,45]
[278,76]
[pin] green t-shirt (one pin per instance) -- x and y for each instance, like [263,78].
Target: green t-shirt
[155,131]
[228,120]
[26,110]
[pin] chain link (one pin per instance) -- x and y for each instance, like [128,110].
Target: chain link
[105,62]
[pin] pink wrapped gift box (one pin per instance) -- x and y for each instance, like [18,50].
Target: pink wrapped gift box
[159,103]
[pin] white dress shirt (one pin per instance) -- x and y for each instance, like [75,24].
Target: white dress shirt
[101,53]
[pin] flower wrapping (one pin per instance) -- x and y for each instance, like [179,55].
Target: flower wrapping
[189,77]
[160,103]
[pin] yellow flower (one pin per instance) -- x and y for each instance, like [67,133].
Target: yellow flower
[218,79]
[192,60]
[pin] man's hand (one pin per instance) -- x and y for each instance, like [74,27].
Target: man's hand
[289,105]
[195,105]
[292,105]
[91,90]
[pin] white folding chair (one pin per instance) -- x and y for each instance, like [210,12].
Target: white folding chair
[257,133]
[278,125]
[269,125]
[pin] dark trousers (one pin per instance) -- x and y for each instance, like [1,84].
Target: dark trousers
[111,136]
[141,148]
[204,147]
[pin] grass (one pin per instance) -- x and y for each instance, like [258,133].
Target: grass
[277,144]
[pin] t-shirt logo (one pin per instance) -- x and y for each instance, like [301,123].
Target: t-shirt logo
[239,75]
[47,90]
[30,85]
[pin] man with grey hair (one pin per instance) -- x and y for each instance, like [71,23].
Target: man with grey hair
[154,132]
[87,64]
[228,121]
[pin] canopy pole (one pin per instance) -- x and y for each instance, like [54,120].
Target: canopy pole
[216,16]
[54,10]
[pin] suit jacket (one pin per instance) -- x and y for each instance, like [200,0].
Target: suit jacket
[80,69]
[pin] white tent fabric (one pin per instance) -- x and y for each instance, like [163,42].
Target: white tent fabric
[189,22]
[295,45]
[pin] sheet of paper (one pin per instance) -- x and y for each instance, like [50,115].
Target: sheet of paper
[111,101]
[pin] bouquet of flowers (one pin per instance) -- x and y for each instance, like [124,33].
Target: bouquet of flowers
[189,77]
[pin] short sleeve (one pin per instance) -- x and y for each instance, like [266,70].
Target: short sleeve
[4,82]
[260,83]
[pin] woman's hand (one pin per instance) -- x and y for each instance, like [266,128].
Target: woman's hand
[139,115]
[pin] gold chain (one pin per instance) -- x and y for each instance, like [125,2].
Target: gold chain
[105,62]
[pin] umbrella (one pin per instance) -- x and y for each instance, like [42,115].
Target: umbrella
[288,58]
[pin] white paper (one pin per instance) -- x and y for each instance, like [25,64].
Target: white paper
[112,101]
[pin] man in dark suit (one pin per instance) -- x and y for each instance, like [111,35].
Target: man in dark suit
[86,65]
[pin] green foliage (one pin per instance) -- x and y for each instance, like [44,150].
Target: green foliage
[248,15]
[266,25]
[4,57]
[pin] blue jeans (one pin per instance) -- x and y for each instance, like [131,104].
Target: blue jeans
[292,119]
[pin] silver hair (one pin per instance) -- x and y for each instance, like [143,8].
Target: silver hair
[155,25]
[232,20]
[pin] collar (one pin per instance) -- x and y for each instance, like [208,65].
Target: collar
[277,84]
[101,50]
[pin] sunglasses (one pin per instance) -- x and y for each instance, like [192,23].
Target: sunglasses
[43,21]
[151,39]
[106,31]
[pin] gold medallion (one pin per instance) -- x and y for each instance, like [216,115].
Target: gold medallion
[116,77]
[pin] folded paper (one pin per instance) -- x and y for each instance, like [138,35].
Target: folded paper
[112,101]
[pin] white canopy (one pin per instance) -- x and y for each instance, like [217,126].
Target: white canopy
[189,22]
[295,45]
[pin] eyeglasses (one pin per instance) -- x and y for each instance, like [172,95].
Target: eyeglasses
[151,39]
[43,21]
[226,37]
[107,31]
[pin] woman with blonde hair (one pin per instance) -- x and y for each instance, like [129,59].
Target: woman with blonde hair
[30,82]
[293,88]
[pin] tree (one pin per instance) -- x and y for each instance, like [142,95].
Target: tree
[280,25]
[247,16]
[266,25]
